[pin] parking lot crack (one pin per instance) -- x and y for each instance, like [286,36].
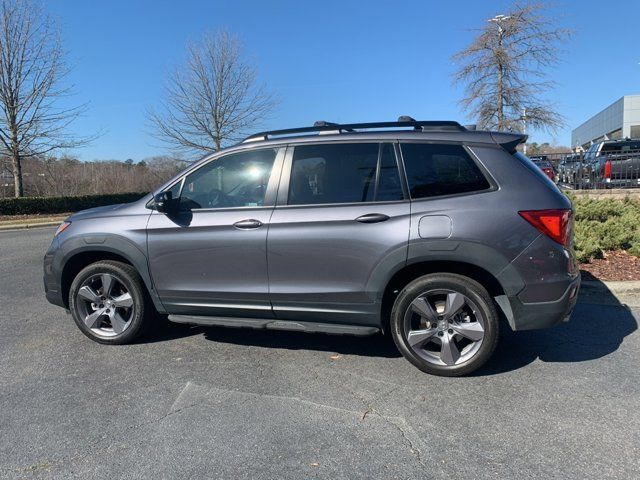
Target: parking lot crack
[407,433]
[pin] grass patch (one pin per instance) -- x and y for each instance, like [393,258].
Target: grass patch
[606,224]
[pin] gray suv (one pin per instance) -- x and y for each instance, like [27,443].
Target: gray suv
[430,232]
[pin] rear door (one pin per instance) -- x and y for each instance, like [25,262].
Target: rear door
[340,227]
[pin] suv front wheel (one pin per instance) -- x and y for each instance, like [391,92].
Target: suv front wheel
[108,302]
[445,324]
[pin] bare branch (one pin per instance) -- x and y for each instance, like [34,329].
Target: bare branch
[504,70]
[32,69]
[212,100]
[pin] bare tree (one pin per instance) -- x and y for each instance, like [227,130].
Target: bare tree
[504,70]
[32,68]
[213,99]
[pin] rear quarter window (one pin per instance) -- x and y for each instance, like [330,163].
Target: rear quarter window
[532,167]
[434,170]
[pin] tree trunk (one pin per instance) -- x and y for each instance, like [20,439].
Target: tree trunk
[17,175]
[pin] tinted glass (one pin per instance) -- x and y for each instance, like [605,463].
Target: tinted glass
[333,173]
[629,146]
[440,170]
[389,186]
[591,152]
[236,180]
[611,147]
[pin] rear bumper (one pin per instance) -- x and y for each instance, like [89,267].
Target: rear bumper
[532,316]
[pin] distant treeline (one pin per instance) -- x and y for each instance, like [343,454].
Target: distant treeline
[68,176]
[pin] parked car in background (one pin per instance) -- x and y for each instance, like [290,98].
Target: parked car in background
[546,166]
[569,169]
[421,230]
[612,163]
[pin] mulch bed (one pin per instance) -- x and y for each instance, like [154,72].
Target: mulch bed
[614,266]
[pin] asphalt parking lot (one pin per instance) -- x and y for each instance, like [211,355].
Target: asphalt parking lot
[228,403]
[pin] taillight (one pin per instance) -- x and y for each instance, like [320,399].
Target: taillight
[556,224]
[607,169]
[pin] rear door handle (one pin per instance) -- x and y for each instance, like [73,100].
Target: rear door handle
[248,224]
[372,218]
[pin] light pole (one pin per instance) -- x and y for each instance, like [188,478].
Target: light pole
[498,19]
[524,129]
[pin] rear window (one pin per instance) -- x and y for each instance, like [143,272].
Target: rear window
[532,167]
[543,163]
[434,170]
[620,147]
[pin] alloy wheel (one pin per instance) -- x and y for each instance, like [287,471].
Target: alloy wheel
[444,327]
[105,304]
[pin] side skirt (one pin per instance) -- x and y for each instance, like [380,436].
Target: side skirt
[272,324]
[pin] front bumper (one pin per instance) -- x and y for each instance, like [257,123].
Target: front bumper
[51,278]
[532,316]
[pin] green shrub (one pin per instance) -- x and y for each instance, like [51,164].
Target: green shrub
[606,224]
[35,205]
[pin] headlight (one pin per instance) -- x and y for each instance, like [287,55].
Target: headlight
[63,226]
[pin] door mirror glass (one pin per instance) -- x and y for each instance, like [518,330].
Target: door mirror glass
[164,202]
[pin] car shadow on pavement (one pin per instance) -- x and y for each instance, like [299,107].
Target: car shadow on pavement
[371,346]
[164,331]
[597,328]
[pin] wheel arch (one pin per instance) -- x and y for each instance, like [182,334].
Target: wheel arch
[410,272]
[79,254]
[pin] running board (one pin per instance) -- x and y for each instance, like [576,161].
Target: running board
[273,324]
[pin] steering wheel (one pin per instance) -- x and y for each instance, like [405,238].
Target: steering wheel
[217,198]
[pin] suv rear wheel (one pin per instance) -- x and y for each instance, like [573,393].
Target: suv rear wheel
[445,324]
[108,302]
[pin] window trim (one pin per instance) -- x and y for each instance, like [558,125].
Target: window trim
[272,184]
[283,190]
[493,185]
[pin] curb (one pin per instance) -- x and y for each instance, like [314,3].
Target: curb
[610,293]
[23,226]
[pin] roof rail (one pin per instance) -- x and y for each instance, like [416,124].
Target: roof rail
[322,126]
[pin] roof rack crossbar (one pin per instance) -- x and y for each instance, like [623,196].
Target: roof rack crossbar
[426,126]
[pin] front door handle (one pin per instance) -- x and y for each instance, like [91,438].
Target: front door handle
[372,218]
[248,224]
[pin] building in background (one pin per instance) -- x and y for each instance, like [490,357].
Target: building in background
[621,119]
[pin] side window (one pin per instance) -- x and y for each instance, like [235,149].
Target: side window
[434,169]
[611,148]
[389,186]
[333,173]
[175,189]
[629,146]
[235,180]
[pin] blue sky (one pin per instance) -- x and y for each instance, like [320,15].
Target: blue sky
[343,61]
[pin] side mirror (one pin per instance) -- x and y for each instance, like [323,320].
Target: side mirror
[163,202]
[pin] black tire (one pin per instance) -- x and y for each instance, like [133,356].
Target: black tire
[128,277]
[455,283]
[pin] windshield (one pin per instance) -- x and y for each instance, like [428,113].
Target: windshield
[591,153]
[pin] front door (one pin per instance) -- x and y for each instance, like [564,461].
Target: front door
[340,227]
[209,258]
